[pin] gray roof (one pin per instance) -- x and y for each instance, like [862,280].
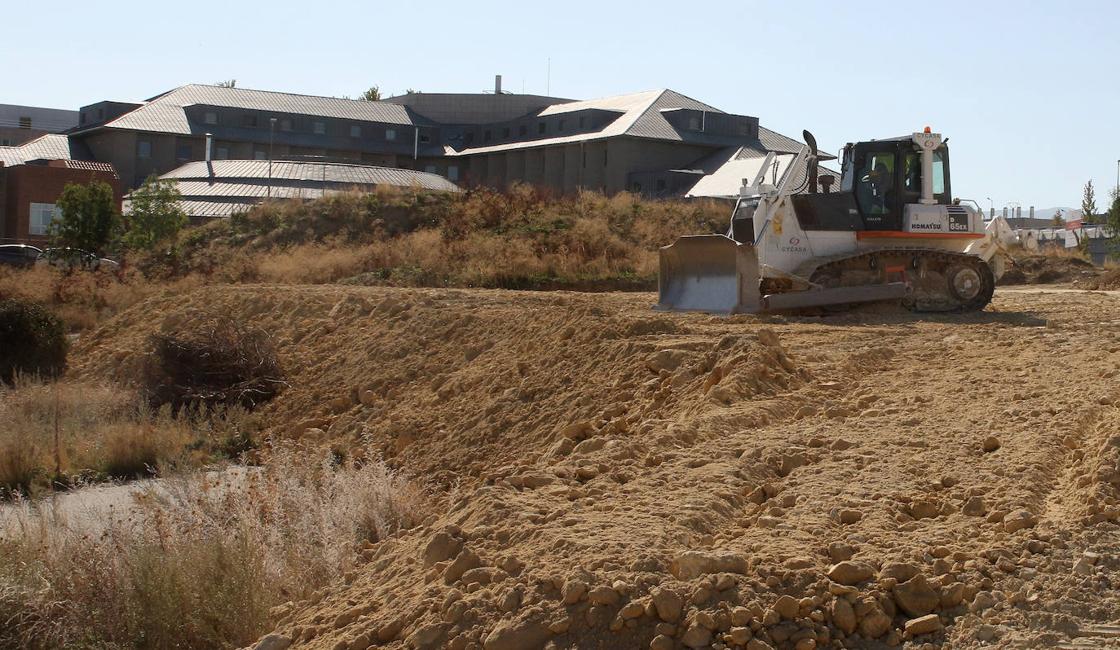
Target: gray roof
[164,113]
[224,187]
[724,171]
[51,146]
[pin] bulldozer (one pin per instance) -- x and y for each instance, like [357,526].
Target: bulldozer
[891,232]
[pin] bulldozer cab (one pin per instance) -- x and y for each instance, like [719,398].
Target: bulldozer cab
[886,175]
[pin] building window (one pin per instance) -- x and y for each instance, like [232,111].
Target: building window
[222,153]
[694,123]
[390,134]
[210,118]
[320,128]
[25,122]
[560,127]
[505,132]
[452,172]
[41,216]
[259,155]
[249,121]
[431,169]
[425,139]
[540,127]
[285,125]
[581,121]
[183,152]
[355,131]
[5,142]
[143,149]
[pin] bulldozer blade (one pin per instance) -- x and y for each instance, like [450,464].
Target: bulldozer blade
[709,273]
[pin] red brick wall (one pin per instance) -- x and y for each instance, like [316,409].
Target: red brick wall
[27,184]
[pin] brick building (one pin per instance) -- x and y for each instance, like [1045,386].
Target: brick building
[33,176]
[20,124]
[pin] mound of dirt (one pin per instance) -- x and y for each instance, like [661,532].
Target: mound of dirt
[614,478]
[1047,269]
[1107,281]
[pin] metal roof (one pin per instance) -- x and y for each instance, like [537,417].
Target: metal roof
[42,119]
[334,173]
[51,146]
[725,170]
[164,113]
[224,187]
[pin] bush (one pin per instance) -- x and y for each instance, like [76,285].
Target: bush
[32,341]
[217,365]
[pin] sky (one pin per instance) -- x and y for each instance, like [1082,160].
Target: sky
[1026,91]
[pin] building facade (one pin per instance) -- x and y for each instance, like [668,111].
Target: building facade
[21,124]
[656,143]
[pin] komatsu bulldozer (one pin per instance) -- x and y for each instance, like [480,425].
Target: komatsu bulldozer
[891,232]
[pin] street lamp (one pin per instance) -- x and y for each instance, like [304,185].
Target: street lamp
[991,208]
[271,131]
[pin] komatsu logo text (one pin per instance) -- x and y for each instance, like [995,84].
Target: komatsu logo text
[925,226]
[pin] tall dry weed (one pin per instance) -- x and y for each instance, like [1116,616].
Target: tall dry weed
[200,560]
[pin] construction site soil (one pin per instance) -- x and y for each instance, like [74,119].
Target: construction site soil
[612,477]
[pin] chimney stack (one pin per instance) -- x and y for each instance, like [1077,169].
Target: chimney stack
[497,84]
[209,146]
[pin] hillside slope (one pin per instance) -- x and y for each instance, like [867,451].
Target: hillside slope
[613,477]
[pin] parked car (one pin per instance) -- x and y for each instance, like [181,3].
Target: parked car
[21,255]
[76,258]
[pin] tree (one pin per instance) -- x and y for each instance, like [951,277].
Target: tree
[1113,218]
[412,91]
[1088,202]
[371,95]
[154,215]
[228,83]
[89,218]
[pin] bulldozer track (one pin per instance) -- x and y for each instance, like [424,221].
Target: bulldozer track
[914,263]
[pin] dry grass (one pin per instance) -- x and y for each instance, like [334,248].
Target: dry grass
[201,560]
[68,433]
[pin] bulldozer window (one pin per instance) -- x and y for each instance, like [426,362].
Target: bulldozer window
[875,181]
[912,173]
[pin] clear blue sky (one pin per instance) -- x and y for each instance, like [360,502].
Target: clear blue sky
[1027,92]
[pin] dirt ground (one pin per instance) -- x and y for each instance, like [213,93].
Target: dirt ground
[612,477]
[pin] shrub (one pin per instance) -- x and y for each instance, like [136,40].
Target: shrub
[32,341]
[154,214]
[89,218]
[216,365]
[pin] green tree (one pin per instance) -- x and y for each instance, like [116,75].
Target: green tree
[89,218]
[371,95]
[154,214]
[1113,219]
[1088,202]
[412,91]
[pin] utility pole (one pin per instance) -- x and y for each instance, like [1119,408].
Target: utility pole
[271,131]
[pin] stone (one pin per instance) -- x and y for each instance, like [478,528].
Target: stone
[875,624]
[985,632]
[572,591]
[975,507]
[631,610]
[517,635]
[740,635]
[843,616]
[850,572]
[390,630]
[1083,566]
[741,616]
[924,509]
[668,605]
[787,607]
[758,644]
[578,431]
[511,601]
[425,637]
[697,636]
[693,564]
[916,596]
[952,595]
[603,595]
[796,563]
[983,600]
[465,561]
[922,625]
[850,516]
[1019,520]
[273,642]
[901,571]
[666,360]
[662,642]
[805,644]
[839,551]
[990,444]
